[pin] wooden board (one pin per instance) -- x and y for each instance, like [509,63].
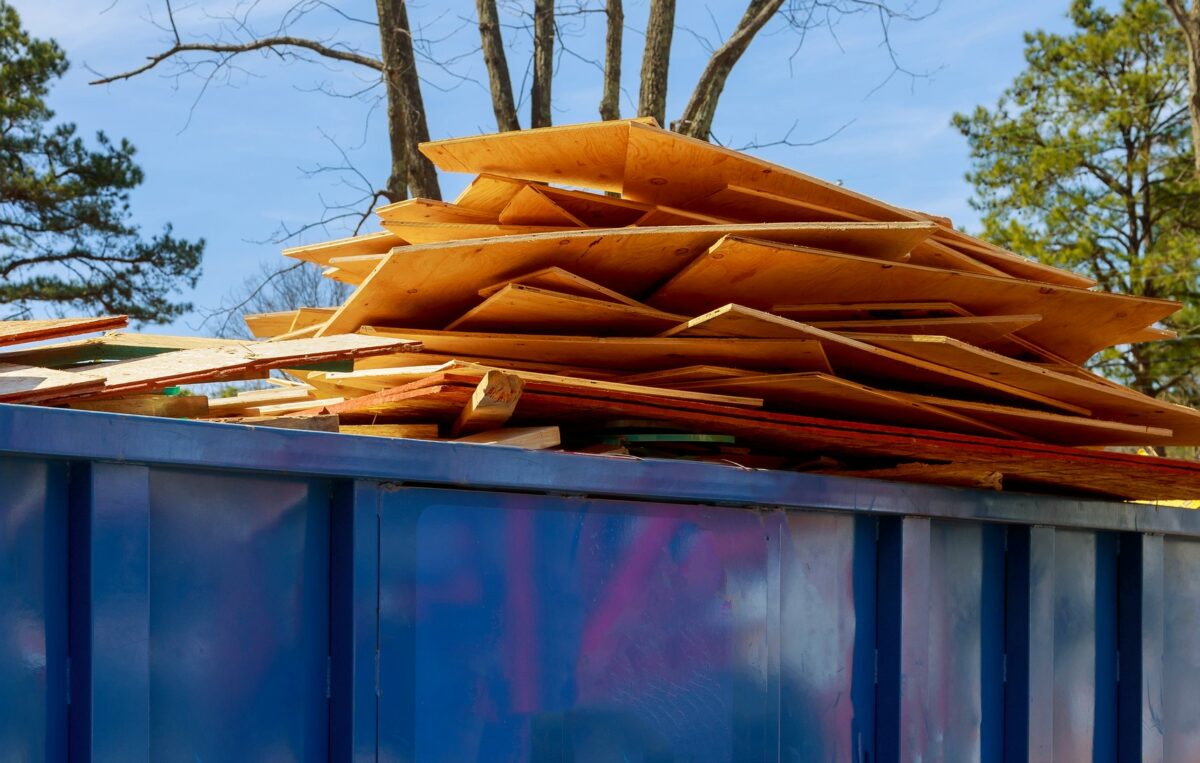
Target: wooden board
[409,431]
[489,193]
[491,404]
[238,404]
[381,242]
[316,423]
[18,332]
[1052,427]
[1107,402]
[266,325]
[433,233]
[620,353]
[429,286]
[863,362]
[431,358]
[170,406]
[656,166]
[1075,323]
[220,363]
[281,409]
[533,207]
[530,438]
[29,384]
[431,211]
[557,279]
[674,216]
[517,308]
[831,397]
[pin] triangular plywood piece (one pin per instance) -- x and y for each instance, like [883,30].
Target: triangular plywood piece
[1075,323]
[518,308]
[432,285]
[557,279]
[533,207]
[489,193]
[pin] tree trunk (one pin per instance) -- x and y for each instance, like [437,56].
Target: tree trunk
[610,102]
[543,62]
[652,96]
[698,116]
[1189,24]
[406,108]
[499,81]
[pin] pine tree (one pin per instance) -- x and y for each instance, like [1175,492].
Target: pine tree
[66,239]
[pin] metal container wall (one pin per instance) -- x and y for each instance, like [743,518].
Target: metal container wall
[198,592]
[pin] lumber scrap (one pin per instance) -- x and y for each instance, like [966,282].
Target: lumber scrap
[111,346]
[1075,323]
[433,233]
[490,405]
[856,311]
[169,406]
[311,423]
[429,286]
[980,331]
[620,353]
[530,438]
[518,308]
[19,332]
[531,206]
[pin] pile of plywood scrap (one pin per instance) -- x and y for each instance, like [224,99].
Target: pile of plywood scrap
[619,288]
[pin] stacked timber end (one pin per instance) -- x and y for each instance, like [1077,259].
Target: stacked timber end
[616,288]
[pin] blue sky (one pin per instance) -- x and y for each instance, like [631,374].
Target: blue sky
[228,161]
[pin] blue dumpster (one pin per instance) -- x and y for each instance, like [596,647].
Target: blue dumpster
[191,591]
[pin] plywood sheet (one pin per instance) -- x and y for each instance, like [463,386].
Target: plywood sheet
[433,233]
[432,285]
[517,308]
[381,242]
[1075,323]
[432,211]
[29,384]
[620,353]
[265,325]
[855,311]
[489,193]
[18,332]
